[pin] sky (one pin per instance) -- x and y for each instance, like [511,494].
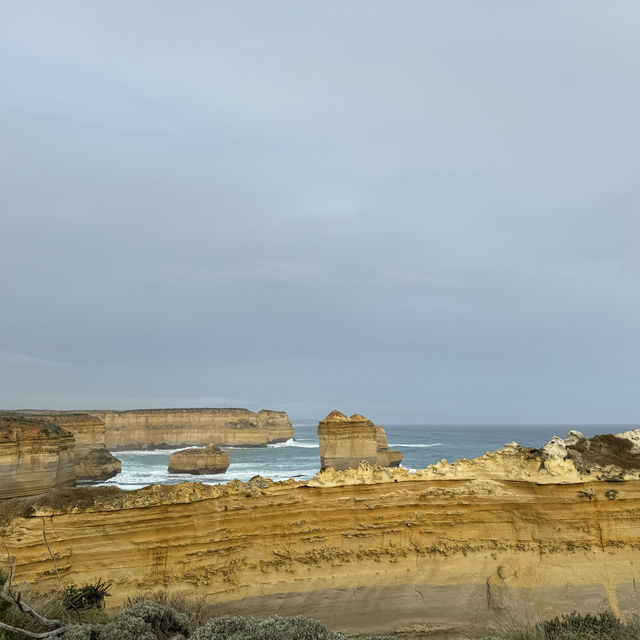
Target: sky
[421,211]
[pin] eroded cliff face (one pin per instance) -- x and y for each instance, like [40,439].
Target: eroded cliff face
[346,442]
[36,455]
[199,461]
[366,550]
[92,460]
[172,428]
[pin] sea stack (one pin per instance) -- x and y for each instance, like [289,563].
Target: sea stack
[199,461]
[346,442]
[92,460]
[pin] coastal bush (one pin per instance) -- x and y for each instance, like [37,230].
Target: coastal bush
[272,628]
[198,609]
[89,596]
[142,621]
[603,626]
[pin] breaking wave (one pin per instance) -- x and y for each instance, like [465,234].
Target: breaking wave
[295,443]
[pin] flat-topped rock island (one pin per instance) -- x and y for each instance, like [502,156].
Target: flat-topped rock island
[173,428]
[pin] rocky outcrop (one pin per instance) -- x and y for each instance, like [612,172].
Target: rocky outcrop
[199,461]
[92,460]
[36,455]
[611,457]
[172,428]
[346,442]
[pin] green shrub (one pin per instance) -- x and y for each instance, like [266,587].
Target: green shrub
[89,596]
[142,621]
[603,626]
[198,609]
[272,628]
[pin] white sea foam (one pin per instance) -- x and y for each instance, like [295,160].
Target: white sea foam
[147,452]
[418,446]
[295,443]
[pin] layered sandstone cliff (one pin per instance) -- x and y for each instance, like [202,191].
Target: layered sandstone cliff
[172,428]
[92,460]
[346,442]
[366,550]
[36,455]
[199,461]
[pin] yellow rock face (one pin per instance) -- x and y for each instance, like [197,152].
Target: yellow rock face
[367,558]
[450,549]
[346,442]
[172,428]
[36,455]
[199,461]
[92,460]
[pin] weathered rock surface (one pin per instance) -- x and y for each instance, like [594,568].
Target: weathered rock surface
[367,550]
[610,457]
[346,442]
[199,461]
[36,455]
[92,460]
[171,428]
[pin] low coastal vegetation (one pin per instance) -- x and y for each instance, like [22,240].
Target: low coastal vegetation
[161,615]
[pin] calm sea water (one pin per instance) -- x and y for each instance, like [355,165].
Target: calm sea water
[421,445]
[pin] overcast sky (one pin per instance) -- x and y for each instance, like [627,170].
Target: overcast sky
[422,211]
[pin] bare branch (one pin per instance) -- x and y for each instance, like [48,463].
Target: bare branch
[7,587]
[32,634]
[25,608]
[55,566]
[53,558]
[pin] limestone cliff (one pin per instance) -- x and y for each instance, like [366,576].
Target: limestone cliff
[346,442]
[366,550]
[92,460]
[36,455]
[199,461]
[171,428]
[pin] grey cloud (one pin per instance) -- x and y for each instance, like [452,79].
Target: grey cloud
[424,212]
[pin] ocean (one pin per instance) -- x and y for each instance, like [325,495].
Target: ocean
[421,445]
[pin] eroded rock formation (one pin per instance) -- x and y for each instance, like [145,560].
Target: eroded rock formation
[36,455]
[171,428]
[92,460]
[199,461]
[346,442]
[368,550]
